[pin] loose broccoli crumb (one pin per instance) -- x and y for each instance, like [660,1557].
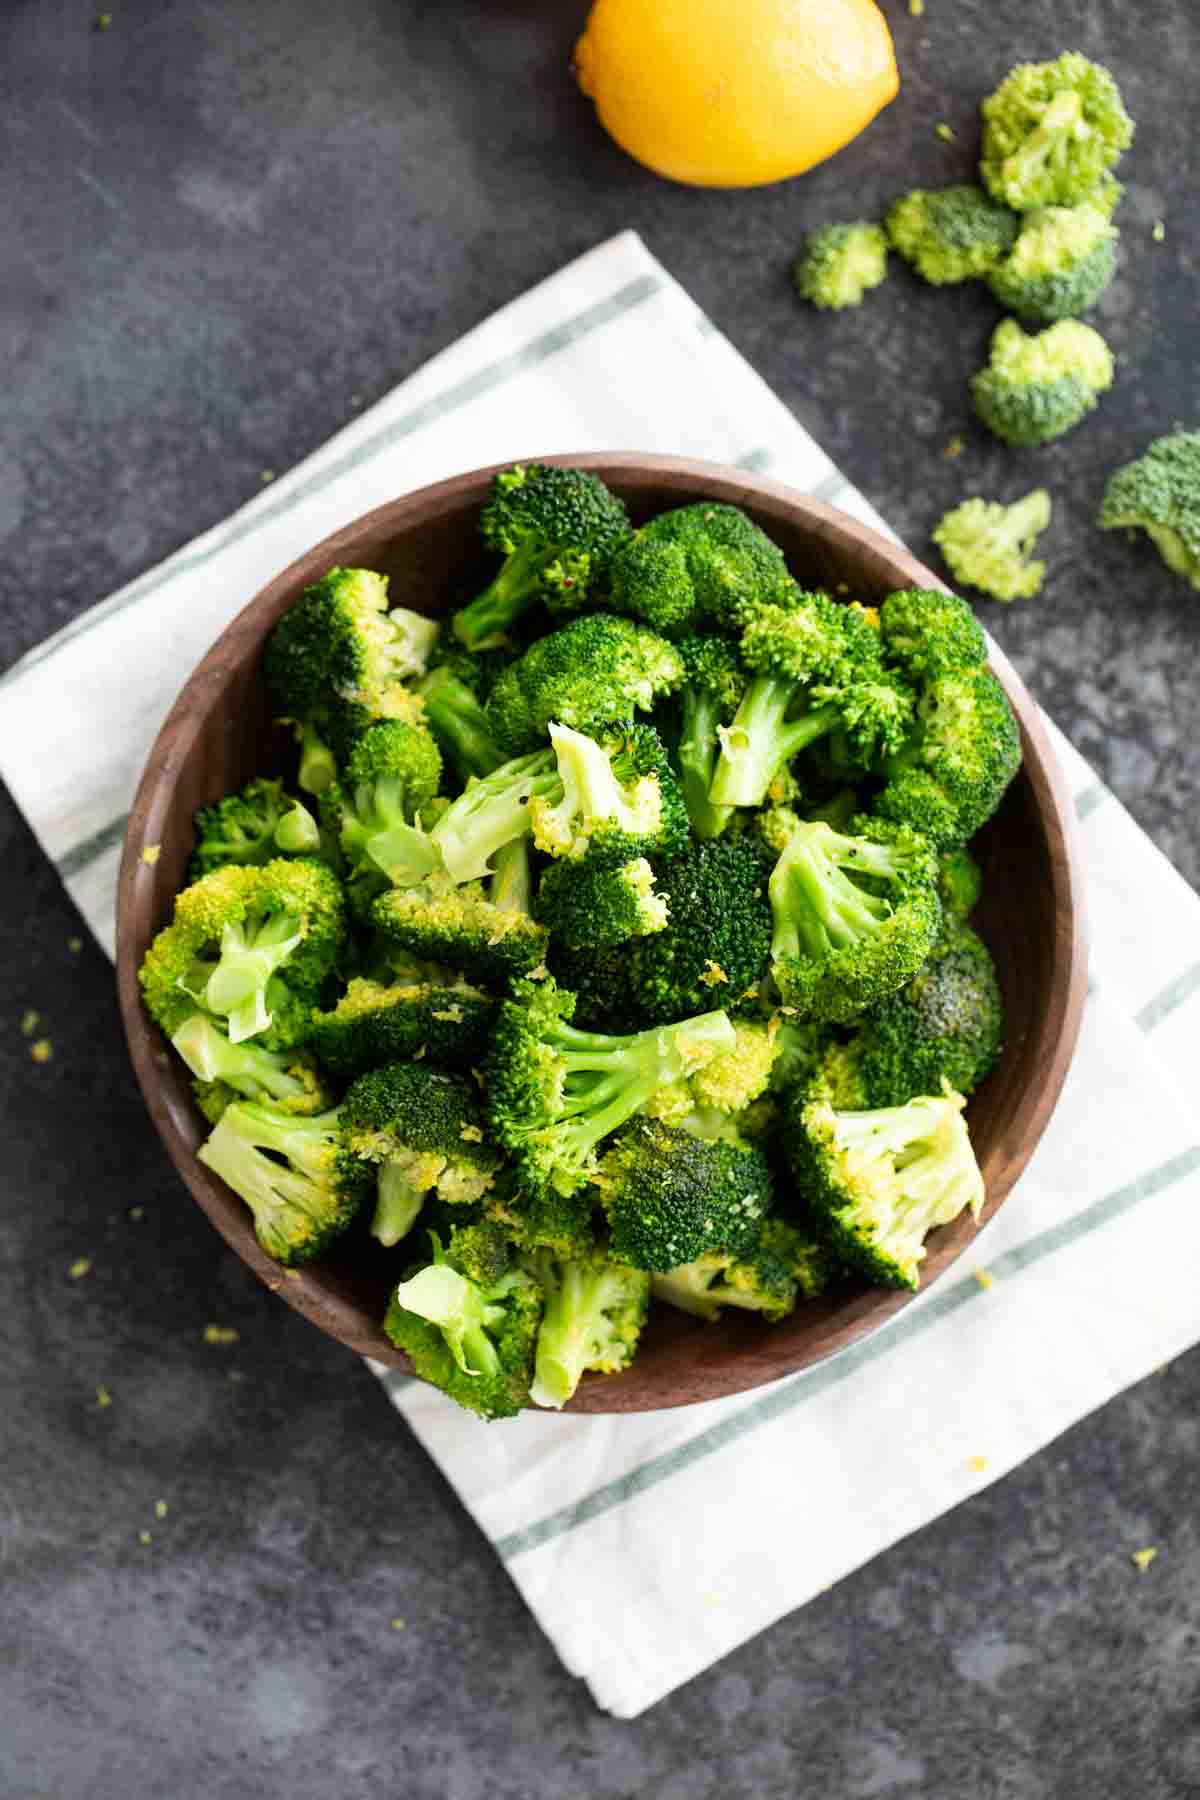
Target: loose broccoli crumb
[151,854]
[74,945]
[79,1268]
[946,132]
[984,1277]
[221,1334]
[1141,1559]
[977,1464]
[103,1397]
[161,1509]
[987,545]
[1159,231]
[954,448]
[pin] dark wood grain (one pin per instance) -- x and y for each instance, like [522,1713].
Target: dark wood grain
[219,733]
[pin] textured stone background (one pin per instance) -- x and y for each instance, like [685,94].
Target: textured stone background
[226,228]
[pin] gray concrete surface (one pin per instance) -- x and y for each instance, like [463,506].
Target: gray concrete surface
[226,228]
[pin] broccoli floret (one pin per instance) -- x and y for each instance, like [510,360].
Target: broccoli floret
[251,946]
[461,927]
[927,631]
[288,1080]
[837,264]
[555,1092]
[960,882]
[595,1308]
[337,660]
[670,1195]
[1051,132]
[491,813]
[292,1172]
[615,793]
[557,530]
[1160,494]
[537,1219]
[988,546]
[393,770]
[965,750]
[374,1023]
[736,1078]
[458,721]
[596,670]
[765,1278]
[696,565]
[423,1129]
[880,1181]
[1059,266]
[599,901]
[240,828]
[955,234]
[473,1342]
[714,946]
[1036,388]
[714,682]
[855,916]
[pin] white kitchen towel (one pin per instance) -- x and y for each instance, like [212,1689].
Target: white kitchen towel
[602,1522]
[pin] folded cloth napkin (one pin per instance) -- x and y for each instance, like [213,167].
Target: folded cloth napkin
[604,1521]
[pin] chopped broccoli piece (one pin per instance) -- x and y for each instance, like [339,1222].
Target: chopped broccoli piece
[536,1219]
[240,828]
[670,1196]
[594,671]
[461,927]
[615,793]
[458,721]
[288,1080]
[393,770]
[695,566]
[1052,131]
[988,546]
[599,901]
[714,682]
[595,1308]
[765,1278]
[927,632]
[1036,388]
[474,1342]
[556,529]
[373,1023]
[1059,266]
[292,1172]
[955,234]
[837,264]
[735,1078]
[491,812]
[1160,494]
[298,833]
[423,1129]
[966,749]
[960,882]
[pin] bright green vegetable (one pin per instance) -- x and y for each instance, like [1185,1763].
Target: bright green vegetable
[1159,493]
[292,1172]
[375,1022]
[988,546]
[1059,266]
[599,901]
[838,264]
[595,1308]
[287,1080]
[1036,388]
[475,1342]
[421,1129]
[596,671]
[953,234]
[695,567]
[670,1196]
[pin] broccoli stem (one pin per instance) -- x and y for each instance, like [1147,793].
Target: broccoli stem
[761,739]
[491,813]
[459,721]
[511,888]
[318,770]
[512,591]
[568,1331]
[397,1207]
[297,833]
[816,907]
[237,986]
[697,756]
[247,1068]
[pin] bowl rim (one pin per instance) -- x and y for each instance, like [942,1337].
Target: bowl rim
[852,1320]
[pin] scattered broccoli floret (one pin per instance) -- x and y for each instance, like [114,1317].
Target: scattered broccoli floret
[855,916]
[557,530]
[670,1196]
[423,1129]
[880,1181]
[490,813]
[458,721]
[837,264]
[695,566]
[595,1308]
[988,546]
[292,1172]
[594,671]
[474,1342]
[251,946]
[555,1092]
[1036,388]
[927,631]
[599,901]
[615,794]
[288,1080]
[1160,494]
[374,1023]
[965,750]
[1059,266]
[393,770]
[953,234]
[960,882]
[460,926]
[1052,131]
[714,682]
[240,828]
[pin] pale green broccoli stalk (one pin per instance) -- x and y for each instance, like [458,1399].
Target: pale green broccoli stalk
[492,812]
[1036,388]
[595,1308]
[837,264]
[298,833]
[1159,493]
[458,721]
[600,901]
[1059,266]
[475,1341]
[422,1129]
[615,793]
[696,568]
[988,546]
[318,766]
[393,770]
[1052,131]
[953,234]
[288,1079]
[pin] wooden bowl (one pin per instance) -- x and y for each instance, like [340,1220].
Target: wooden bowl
[219,733]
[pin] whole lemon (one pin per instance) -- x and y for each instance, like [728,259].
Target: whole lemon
[733,93]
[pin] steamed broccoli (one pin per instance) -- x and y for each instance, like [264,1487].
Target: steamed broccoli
[670,1195]
[1160,494]
[475,1342]
[965,750]
[782,1262]
[461,927]
[317,769]
[1036,388]
[246,827]
[458,721]
[374,1023]
[955,234]
[1052,131]
[599,901]
[594,671]
[880,1181]
[490,813]
[1059,266]
[293,1173]
[251,946]
[393,770]
[542,1219]
[696,566]
[422,1128]
[927,632]
[837,264]
[988,546]
[960,882]
[288,1080]
[555,1092]
[855,916]
[615,793]
[595,1308]
[556,529]
[714,681]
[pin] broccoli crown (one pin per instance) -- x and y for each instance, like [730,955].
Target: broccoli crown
[1052,131]
[492,812]
[599,901]
[287,1080]
[474,1342]
[926,631]
[302,1188]
[542,1219]
[1160,492]
[240,828]
[988,546]
[457,720]
[838,263]
[251,946]
[461,927]
[557,530]
[954,234]
[854,916]
[1059,266]
[966,749]
[735,1078]
[374,1023]
[595,1308]
[715,944]
[393,770]
[879,1181]
[1036,388]
[960,882]
[423,1129]
[555,1092]
[669,1195]
[615,793]
[695,565]
[338,660]
[595,670]
[714,680]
